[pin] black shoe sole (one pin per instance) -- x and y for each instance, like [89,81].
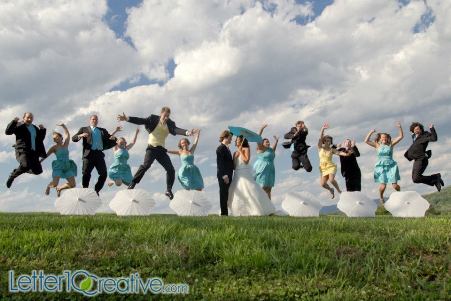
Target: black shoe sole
[169,195]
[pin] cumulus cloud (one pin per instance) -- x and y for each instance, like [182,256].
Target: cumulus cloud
[359,65]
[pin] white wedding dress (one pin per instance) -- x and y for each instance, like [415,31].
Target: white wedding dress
[246,197]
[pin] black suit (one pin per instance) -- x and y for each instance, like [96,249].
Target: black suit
[299,155]
[224,161]
[94,158]
[417,152]
[350,169]
[27,157]
[158,153]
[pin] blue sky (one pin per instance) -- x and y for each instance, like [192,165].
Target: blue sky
[262,67]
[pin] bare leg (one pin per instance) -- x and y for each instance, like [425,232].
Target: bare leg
[381,192]
[52,184]
[118,182]
[268,191]
[334,182]
[70,184]
[323,182]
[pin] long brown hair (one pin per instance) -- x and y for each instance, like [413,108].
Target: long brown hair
[379,135]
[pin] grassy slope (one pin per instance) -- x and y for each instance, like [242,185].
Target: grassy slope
[440,201]
[273,258]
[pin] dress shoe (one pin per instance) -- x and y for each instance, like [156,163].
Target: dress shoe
[9,182]
[169,194]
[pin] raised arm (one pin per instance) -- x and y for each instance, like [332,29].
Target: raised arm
[196,141]
[400,135]
[433,134]
[11,128]
[66,135]
[80,134]
[116,130]
[354,148]
[260,132]
[49,152]
[130,145]
[321,135]
[274,146]
[368,138]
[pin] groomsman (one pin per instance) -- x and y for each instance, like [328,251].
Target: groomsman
[417,152]
[298,135]
[95,141]
[29,146]
[159,128]
[224,161]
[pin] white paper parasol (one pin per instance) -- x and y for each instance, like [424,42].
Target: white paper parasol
[190,203]
[301,204]
[78,201]
[356,204]
[132,202]
[407,204]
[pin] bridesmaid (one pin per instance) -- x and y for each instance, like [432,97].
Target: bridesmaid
[62,167]
[189,174]
[265,172]
[120,172]
[327,167]
[386,169]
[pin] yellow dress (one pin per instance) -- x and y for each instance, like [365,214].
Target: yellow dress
[326,166]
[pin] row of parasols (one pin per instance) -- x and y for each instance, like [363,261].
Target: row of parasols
[138,202]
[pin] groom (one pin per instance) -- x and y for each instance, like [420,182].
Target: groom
[95,141]
[29,146]
[159,127]
[224,161]
[417,152]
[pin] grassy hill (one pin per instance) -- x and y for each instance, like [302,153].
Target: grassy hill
[440,201]
[225,258]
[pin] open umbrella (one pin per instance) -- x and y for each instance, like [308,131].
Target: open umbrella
[301,204]
[190,203]
[356,204]
[132,202]
[78,201]
[248,134]
[406,204]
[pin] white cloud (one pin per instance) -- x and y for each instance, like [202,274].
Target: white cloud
[358,66]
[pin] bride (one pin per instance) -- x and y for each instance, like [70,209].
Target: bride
[246,197]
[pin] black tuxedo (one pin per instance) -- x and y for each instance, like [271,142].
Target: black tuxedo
[151,122]
[299,155]
[350,169]
[158,153]
[417,152]
[27,157]
[94,158]
[224,161]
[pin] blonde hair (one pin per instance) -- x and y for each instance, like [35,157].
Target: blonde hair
[224,134]
[379,136]
[165,109]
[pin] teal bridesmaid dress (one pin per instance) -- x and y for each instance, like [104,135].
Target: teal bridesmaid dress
[120,170]
[63,167]
[386,170]
[265,173]
[189,174]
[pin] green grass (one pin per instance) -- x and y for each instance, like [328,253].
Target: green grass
[440,201]
[263,258]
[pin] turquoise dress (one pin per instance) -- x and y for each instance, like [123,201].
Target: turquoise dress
[120,170]
[189,174]
[265,173]
[386,170]
[63,167]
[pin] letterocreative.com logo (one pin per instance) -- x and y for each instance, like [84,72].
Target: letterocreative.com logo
[90,285]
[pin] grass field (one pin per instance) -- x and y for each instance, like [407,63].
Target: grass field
[262,258]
